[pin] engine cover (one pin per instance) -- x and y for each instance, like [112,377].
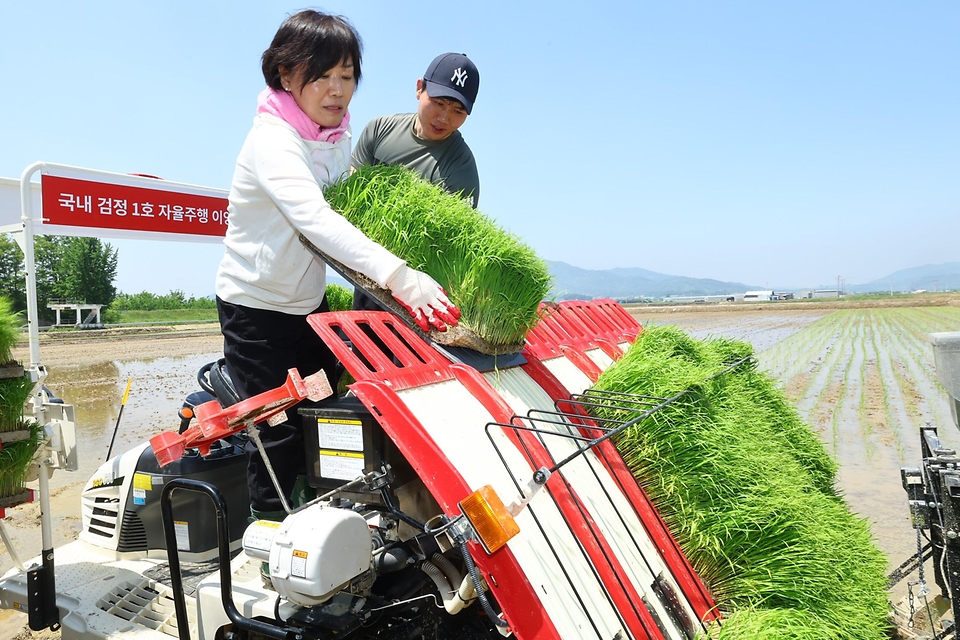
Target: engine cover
[312,554]
[121,502]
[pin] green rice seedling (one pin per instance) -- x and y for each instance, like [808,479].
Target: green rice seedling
[9,331]
[15,385]
[748,492]
[497,281]
[15,460]
[13,396]
[339,298]
[774,624]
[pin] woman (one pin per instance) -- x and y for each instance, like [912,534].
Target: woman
[267,282]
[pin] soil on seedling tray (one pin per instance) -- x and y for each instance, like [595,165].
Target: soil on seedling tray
[862,376]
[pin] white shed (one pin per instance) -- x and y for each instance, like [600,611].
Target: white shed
[755,296]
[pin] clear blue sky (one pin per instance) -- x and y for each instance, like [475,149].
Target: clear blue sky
[769,143]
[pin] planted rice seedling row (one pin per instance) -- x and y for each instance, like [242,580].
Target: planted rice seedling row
[801,353]
[911,335]
[880,403]
[912,362]
[892,397]
[896,419]
[930,320]
[817,393]
[866,415]
[847,393]
[800,373]
[897,391]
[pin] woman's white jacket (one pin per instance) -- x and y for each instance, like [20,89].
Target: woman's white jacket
[277,194]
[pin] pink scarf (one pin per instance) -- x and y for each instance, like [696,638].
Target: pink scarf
[282,105]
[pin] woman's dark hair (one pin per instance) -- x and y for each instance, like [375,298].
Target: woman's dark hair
[315,40]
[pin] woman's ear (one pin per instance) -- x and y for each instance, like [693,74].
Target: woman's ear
[285,77]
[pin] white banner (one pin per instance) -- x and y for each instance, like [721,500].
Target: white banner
[72,201]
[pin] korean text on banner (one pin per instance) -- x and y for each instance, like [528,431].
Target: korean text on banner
[75,202]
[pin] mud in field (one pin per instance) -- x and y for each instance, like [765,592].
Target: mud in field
[864,379]
[761,326]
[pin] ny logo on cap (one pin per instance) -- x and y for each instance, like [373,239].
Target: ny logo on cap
[459,77]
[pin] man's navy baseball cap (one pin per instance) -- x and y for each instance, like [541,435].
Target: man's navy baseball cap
[453,75]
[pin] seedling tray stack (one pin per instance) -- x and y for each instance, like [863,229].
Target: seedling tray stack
[19,438]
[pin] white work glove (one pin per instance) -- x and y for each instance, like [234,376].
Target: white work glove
[424,298]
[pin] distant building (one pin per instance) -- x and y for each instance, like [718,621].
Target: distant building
[91,321]
[826,293]
[757,296]
[726,297]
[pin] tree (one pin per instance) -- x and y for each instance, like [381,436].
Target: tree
[47,258]
[87,271]
[78,269]
[12,283]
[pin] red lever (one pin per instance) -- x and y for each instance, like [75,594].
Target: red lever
[215,423]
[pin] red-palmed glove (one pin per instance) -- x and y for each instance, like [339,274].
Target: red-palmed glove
[424,298]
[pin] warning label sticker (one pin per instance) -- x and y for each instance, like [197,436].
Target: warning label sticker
[182,530]
[142,481]
[340,434]
[340,465]
[298,564]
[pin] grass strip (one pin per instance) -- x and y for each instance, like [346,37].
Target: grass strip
[497,281]
[748,492]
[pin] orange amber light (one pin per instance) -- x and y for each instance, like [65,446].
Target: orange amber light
[491,520]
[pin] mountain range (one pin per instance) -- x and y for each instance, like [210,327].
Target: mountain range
[575,283]
[570,282]
[930,277]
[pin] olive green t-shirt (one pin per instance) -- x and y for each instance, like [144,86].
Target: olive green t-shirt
[448,162]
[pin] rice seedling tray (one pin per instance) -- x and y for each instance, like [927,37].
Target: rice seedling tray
[458,336]
[11,371]
[12,501]
[6,437]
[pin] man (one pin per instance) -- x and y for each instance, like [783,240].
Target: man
[428,141]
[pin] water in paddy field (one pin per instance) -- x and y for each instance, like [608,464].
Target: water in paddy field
[157,391]
[94,384]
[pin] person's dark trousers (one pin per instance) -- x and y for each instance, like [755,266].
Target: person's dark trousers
[260,347]
[363,302]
